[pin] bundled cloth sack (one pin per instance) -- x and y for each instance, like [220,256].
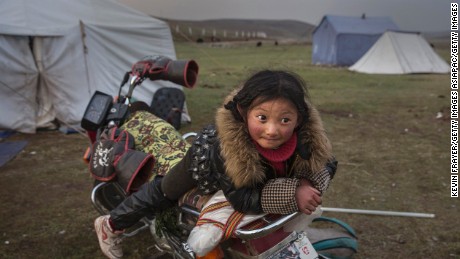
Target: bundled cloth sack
[216,223]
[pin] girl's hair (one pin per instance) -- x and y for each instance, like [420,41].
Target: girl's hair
[268,85]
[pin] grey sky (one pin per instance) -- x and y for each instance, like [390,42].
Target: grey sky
[416,15]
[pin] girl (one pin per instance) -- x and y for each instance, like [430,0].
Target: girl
[268,152]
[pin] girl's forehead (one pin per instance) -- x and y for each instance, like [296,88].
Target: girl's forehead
[262,100]
[280,103]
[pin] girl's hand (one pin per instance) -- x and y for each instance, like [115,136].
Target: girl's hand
[307,197]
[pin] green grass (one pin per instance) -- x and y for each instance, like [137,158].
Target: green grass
[393,155]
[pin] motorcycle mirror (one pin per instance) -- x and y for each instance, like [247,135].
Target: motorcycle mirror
[125,79]
[123,82]
[135,80]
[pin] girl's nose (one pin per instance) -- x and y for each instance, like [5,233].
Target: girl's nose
[271,129]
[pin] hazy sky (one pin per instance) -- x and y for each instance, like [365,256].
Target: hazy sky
[418,15]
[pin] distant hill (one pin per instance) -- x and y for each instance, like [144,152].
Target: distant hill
[255,29]
[238,29]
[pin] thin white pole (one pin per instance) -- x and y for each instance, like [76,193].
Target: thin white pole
[380,212]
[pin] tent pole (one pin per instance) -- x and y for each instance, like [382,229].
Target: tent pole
[85,53]
[380,212]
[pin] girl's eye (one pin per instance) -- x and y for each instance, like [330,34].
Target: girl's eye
[261,117]
[285,120]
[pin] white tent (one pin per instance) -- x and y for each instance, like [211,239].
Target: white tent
[400,53]
[54,54]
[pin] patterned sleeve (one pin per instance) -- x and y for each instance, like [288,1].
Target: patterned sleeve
[278,196]
[321,179]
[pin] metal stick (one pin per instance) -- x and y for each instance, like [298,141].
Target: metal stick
[380,212]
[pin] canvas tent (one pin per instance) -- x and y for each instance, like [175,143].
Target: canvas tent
[401,53]
[54,54]
[342,40]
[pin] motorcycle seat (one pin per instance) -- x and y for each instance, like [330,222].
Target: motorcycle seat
[168,103]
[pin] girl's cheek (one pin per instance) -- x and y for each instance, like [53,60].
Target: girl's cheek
[255,130]
[287,133]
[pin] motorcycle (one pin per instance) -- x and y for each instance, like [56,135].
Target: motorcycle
[266,236]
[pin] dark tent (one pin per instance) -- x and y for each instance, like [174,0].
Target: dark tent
[342,40]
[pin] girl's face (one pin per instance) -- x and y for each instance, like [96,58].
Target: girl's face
[272,123]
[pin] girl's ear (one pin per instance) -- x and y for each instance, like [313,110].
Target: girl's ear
[299,122]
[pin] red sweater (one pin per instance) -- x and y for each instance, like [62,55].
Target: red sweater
[277,157]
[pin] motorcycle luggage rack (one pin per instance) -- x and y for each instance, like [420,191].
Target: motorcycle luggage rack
[244,234]
[271,227]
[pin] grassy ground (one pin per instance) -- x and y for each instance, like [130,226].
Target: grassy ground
[392,151]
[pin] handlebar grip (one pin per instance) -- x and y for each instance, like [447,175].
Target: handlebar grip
[182,72]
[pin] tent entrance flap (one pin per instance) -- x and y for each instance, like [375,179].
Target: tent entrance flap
[45,112]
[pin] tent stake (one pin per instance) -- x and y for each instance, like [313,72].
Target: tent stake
[380,212]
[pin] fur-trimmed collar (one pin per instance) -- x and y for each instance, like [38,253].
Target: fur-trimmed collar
[242,161]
